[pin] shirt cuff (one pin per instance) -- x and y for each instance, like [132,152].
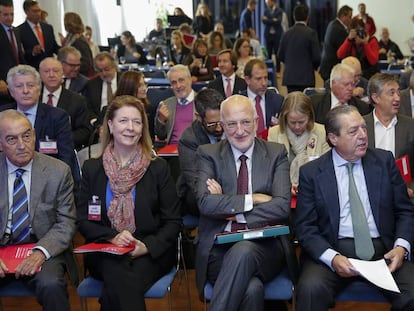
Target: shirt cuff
[403,243]
[43,250]
[327,257]
[248,202]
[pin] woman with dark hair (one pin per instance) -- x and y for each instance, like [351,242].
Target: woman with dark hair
[177,51]
[216,43]
[244,54]
[130,50]
[179,12]
[363,46]
[199,62]
[138,206]
[133,83]
[303,138]
[74,37]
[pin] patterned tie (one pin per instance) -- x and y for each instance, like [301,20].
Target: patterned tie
[183,101]
[40,36]
[364,248]
[20,216]
[260,122]
[50,99]
[242,188]
[109,94]
[228,88]
[13,45]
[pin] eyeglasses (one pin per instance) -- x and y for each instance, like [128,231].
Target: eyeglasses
[212,124]
[26,137]
[71,65]
[232,125]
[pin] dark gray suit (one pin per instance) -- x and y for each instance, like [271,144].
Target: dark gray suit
[261,259]
[78,84]
[405,103]
[404,137]
[52,219]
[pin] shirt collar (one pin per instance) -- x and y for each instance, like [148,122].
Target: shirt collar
[339,161]
[377,121]
[11,168]
[189,98]
[32,110]
[237,153]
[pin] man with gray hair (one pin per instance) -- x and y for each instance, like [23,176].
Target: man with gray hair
[36,206]
[176,113]
[342,84]
[387,129]
[72,79]
[53,130]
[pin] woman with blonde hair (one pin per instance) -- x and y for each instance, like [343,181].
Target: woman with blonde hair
[303,138]
[177,51]
[203,22]
[138,206]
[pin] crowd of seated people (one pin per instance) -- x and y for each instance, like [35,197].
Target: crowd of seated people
[73,93]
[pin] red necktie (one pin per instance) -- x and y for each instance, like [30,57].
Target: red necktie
[50,100]
[228,87]
[242,188]
[260,123]
[13,45]
[40,36]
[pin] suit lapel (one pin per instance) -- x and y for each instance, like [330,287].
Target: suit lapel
[37,184]
[373,179]
[400,137]
[369,120]
[4,195]
[259,161]
[229,175]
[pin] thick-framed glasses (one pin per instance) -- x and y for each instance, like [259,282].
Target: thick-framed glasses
[26,137]
[232,125]
[71,65]
[211,125]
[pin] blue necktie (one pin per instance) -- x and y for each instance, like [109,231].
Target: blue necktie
[20,216]
[364,247]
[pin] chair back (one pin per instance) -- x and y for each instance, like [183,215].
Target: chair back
[157,94]
[314,90]
[160,74]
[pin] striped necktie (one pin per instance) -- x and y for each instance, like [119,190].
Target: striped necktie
[20,228]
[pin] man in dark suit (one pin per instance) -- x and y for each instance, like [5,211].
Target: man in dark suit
[299,51]
[238,270]
[407,98]
[270,102]
[52,125]
[341,93]
[246,16]
[206,129]
[96,91]
[387,129]
[227,63]
[335,35]
[324,224]
[49,210]
[11,51]
[72,79]
[273,29]
[74,104]
[38,38]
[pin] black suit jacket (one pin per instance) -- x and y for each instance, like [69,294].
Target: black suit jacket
[273,103]
[299,51]
[7,59]
[157,209]
[322,104]
[78,84]
[317,210]
[29,41]
[75,105]
[334,37]
[217,84]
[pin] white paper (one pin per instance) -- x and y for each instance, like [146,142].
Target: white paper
[376,272]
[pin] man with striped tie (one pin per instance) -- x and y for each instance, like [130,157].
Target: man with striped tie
[36,206]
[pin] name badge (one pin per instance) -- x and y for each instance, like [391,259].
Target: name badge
[94,209]
[48,146]
[203,71]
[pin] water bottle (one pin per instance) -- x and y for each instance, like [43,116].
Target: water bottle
[158,62]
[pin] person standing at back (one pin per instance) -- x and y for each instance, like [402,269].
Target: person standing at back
[335,35]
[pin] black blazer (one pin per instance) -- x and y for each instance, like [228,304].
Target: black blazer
[7,59]
[29,40]
[217,84]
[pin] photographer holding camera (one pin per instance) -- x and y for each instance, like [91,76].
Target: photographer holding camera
[362,46]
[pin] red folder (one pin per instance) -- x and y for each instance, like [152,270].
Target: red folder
[403,164]
[12,255]
[104,248]
[188,39]
[168,151]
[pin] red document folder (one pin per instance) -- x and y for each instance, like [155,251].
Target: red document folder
[104,248]
[12,255]
[168,151]
[403,164]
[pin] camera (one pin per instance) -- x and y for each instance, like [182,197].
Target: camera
[361,33]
